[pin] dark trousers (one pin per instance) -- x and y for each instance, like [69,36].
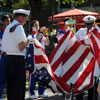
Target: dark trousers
[15,77]
[32,82]
[79,96]
[2,75]
[90,94]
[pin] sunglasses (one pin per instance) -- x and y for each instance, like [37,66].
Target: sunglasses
[88,24]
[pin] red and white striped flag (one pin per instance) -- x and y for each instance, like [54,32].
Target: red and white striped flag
[40,57]
[74,62]
[71,62]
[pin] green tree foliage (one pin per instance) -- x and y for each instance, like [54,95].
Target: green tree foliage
[20,4]
[74,1]
[26,3]
[2,3]
[14,4]
[40,9]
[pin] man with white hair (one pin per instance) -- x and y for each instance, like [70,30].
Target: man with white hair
[80,35]
[14,43]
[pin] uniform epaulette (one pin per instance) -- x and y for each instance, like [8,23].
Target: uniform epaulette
[12,29]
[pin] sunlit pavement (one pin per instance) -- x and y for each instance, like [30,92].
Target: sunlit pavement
[51,96]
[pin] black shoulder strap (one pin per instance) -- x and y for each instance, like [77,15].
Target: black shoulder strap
[12,29]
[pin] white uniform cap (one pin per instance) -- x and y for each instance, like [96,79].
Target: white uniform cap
[22,11]
[89,19]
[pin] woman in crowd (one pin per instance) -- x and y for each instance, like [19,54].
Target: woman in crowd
[34,28]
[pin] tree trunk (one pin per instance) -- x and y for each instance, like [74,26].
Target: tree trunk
[35,8]
[9,4]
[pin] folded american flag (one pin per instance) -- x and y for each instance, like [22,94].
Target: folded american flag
[72,62]
[43,72]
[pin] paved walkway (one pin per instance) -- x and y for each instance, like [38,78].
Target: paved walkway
[51,96]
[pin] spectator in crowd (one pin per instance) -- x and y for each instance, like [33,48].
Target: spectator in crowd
[14,43]
[45,39]
[52,31]
[62,31]
[80,35]
[34,28]
[5,21]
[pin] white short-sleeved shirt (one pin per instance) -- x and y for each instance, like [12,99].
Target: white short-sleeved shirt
[11,39]
[81,33]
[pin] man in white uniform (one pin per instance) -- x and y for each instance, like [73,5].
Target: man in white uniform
[13,44]
[80,35]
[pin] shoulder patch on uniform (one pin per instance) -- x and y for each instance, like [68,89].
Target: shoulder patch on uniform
[12,29]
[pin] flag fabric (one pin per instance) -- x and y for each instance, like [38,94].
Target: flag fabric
[71,62]
[76,63]
[37,62]
[40,56]
[30,58]
[41,61]
[43,72]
